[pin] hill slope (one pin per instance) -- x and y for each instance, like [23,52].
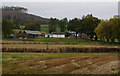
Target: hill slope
[22,18]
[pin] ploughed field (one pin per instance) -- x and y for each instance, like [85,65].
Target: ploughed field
[60,63]
[62,57]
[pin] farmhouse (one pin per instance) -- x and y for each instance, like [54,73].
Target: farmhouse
[57,35]
[29,34]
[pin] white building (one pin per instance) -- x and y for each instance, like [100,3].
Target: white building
[56,35]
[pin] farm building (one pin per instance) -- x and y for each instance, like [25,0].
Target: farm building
[57,35]
[28,34]
[72,32]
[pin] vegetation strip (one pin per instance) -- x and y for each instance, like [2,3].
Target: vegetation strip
[63,50]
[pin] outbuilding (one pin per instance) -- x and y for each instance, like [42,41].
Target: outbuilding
[58,35]
[28,34]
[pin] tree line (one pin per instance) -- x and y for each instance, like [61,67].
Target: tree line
[95,28]
[54,23]
[8,27]
[14,8]
[85,25]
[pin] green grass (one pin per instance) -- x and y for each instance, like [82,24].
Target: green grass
[44,30]
[11,40]
[81,42]
[47,30]
[28,56]
[68,40]
[44,25]
[57,29]
[116,40]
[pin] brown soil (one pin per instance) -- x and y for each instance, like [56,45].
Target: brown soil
[68,65]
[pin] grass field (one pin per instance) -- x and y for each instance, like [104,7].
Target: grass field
[68,40]
[61,41]
[44,29]
[60,63]
[44,25]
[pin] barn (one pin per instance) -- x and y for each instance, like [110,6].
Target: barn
[29,34]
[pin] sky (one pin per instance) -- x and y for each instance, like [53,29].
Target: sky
[60,10]
[59,0]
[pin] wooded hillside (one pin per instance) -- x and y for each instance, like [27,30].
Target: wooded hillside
[20,16]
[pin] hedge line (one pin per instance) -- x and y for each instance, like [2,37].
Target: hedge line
[63,50]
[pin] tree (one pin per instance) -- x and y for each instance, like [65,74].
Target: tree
[66,20]
[14,8]
[62,25]
[103,30]
[118,31]
[74,25]
[89,23]
[109,29]
[115,26]
[7,28]
[32,26]
[53,25]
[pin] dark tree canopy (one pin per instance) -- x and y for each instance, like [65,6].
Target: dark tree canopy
[53,24]
[62,25]
[32,26]
[7,28]
[74,25]
[89,23]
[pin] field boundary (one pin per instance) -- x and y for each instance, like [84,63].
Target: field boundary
[65,43]
[64,50]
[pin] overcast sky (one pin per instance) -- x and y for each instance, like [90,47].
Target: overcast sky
[102,10]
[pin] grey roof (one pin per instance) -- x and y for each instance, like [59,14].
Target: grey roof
[71,32]
[32,32]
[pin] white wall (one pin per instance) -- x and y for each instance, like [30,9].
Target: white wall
[58,36]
